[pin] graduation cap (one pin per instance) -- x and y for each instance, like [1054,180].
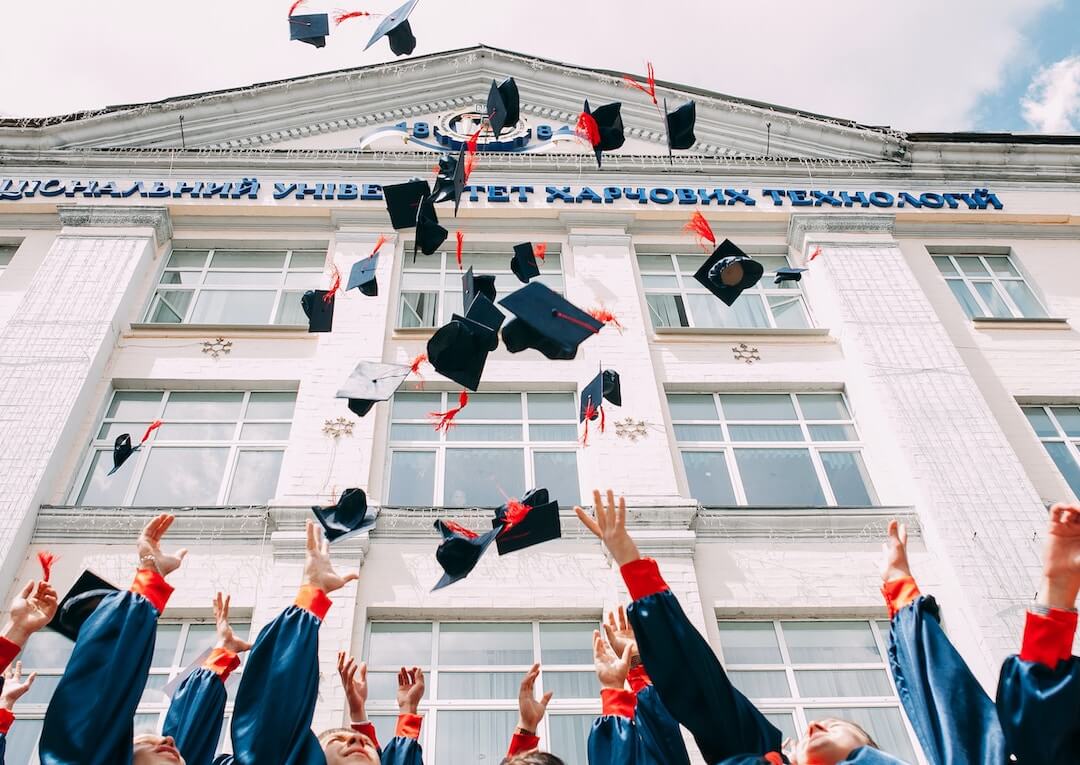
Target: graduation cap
[612,387]
[348,517]
[311,28]
[79,603]
[429,234]
[728,272]
[450,180]
[503,106]
[458,350]
[403,202]
[485,314]
[603,128]
[524,262]
[788,275]
[395,27]
[547,322]
[122,448]
[477,284]
[362,275]
[533,520]
[371,382]
[460,551]
[318,306]
[680,125]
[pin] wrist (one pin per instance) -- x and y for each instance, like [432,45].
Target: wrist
[613,686]
[896,572]
[407,709]
[17,634]
[357,713]
[1057,594]
[9,705]
[524,728]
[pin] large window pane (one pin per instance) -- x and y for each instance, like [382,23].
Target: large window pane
[271,406]
[166,644]
[483,477]
[412,479]
[464,644]
[248,259]
[788,313]
[785,721]
[102,489]
[757,406]
[418,309]
[779,477]
[707,475]
[566,642]
[830,642]
[202,637]
[709,311]
[847,477]
[233,307]
[170,306]
[1065,462]
[201,405]
[770,684]
[551,406]
[692,406]
[492,406]
[21,741]
[472,736]
[667,311]
[415,406]
[749,643]
[823,406]
[399,644]
[570,737]
[478,685]
[964,298]
[1068,418]
[765,433]
[290,311]
[552,432]
[46,649]
[182,476]
[884,724]
[835,683]
[1024,298]
[256,477]
[134,405]
[992,299]
[187,431]
[558,473]
[488,432]
[572,685]
[698,433]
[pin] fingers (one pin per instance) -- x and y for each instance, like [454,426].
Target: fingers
[181,554]
[29,588]
[363,672]
[324,548]
[625,658]
[891,531]
[610,510]
[16,676]
[620,517]
[903,534]
[30,680]
[352,576]
[350,673]
[598,506]
[587,521]
[311,543]
[166,522]
[546,698]
[402,679]
[529,680]
[340,662]
[609,631]
[624,623]
[599,649]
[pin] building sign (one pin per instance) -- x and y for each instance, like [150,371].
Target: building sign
[251,188]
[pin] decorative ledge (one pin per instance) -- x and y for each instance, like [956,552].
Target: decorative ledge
[107,525]
[165,330]
[996,323]
[676,334]
[102,216]
[839,523]
[413,333]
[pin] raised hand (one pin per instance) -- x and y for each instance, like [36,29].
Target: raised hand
[609,524]
[14,686]
[530,709]
[611,668]
[894,551]
[619,632]
[32,609]
[1061,559]
[410,689]
[318,571]
[354,681]
[227,639]
[149,545]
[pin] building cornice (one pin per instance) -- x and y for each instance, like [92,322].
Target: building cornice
[113,216]
[109,525]
[822,225]
[830,523]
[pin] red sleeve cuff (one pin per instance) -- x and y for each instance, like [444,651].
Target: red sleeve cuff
[521,743]
[222,662]
[6,719]
[8,652]
[638,678]
[899,593]
[618,702]
[311,598]
[1048,639]
[642,577]
[368,729]
[408,726]
[152,586]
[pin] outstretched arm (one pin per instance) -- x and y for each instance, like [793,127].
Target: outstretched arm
[613,739]
[953,717]
[531,711]
[32,609]
[688,676]
[404,748]
[14,689]
[354,681]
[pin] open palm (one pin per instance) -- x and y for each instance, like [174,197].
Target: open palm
[1063,544]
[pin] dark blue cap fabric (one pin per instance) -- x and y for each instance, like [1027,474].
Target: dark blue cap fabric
[788,275]
[122,449]
[546,321]
[503,106]
[319,310]
[395,27]
[403,202]
[459,553]
[729,264]
[477,284]
[524,263]
[362,275]
[680,126]
[350,516]
[80,603]
[540,524]
[312,28]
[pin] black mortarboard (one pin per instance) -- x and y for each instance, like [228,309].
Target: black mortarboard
[362,275]
[395,26]
[592,398]
[524,263]
[503,106]
[371,382]
[122,449]
[348,517]
[477,284]
[680,125]
[540,523]
[612,387]
[547,322]
[319,310]
[429,234]
[403,202]
[610,125]
[485,314]
[312,28]
[79,603]
[450,180]
[728,272]
[788,275]
[458,350]
[460,551]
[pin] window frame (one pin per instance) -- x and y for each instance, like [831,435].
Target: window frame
[991,277]
[728,446]
[281,289]
[8,251]
[138,461]
[1071,443]
[686,285]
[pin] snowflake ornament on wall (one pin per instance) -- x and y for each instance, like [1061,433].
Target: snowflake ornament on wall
[743,352]
[217,347]
[342,426]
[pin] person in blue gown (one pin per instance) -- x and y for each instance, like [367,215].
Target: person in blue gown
[691,682]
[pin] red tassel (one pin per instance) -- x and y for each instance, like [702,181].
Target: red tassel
[588,129]
[153,426]
[471,157]
[515,514]
[46,559]
[575,320]
[606,316]
[590,413]
[414,366]
[471,161]
[335,285]
[340,17]
[815,253]
[460,241]
[540,250]
[446,419]
[474,139]
[294,6]
[698,225]
[378,244]
[457,528]
[603,419]
[650,91]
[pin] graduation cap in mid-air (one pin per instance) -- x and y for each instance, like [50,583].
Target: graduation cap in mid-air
[80,603]
[680,125]
[429,234]
[612,386]
[362,275]
[547,322]
[403,202]
[459,349]
[395,27]
[788,275]
[460,551]
[602,128]
[311,28]
[503,106]
[604,386]
[477,284]
[348,517]
[370,383]
[318,306]
[729,271]
[533,520]
[524,263]
[450,180]
[122,448]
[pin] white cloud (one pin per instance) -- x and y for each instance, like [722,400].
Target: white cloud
[1052,101]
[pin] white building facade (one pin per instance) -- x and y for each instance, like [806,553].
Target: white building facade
[924,368]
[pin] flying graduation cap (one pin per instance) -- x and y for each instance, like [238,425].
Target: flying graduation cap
[602,128]
[788,275]
[363,271]
[460,551]
[604,386]
[729,270]
[403,202]
[122,448]
[80,603]
[459,349]
[450,180]
[347,518]
[680,125]
[477,284]
[311,28]
[370,383]
[318,306]
[429,234]
[533,520]
[395,27]
[503,106]
[547,322]
[524,263]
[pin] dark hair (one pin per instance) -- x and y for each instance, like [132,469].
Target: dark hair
[869,739]
[535,757]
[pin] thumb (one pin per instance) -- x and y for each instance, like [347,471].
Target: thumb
[181,554]
[352,576]
[903,534]
[625,658]
[546,698]
[25,593]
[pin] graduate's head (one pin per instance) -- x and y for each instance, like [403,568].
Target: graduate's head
[345,746]
[156,750]
[535,757]
[829,741]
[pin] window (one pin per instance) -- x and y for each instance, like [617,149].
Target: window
[989,286]
[431,287]
[7,252]
[235,286]
[800,671]
[501,444]
[178,644]
[676,299]
[770,449]
[1058,427]
[473,670]
[214,448]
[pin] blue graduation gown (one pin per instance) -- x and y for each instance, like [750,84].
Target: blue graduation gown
[402,750]
[614,738]
[196,715]
[953,717]
[659,732]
